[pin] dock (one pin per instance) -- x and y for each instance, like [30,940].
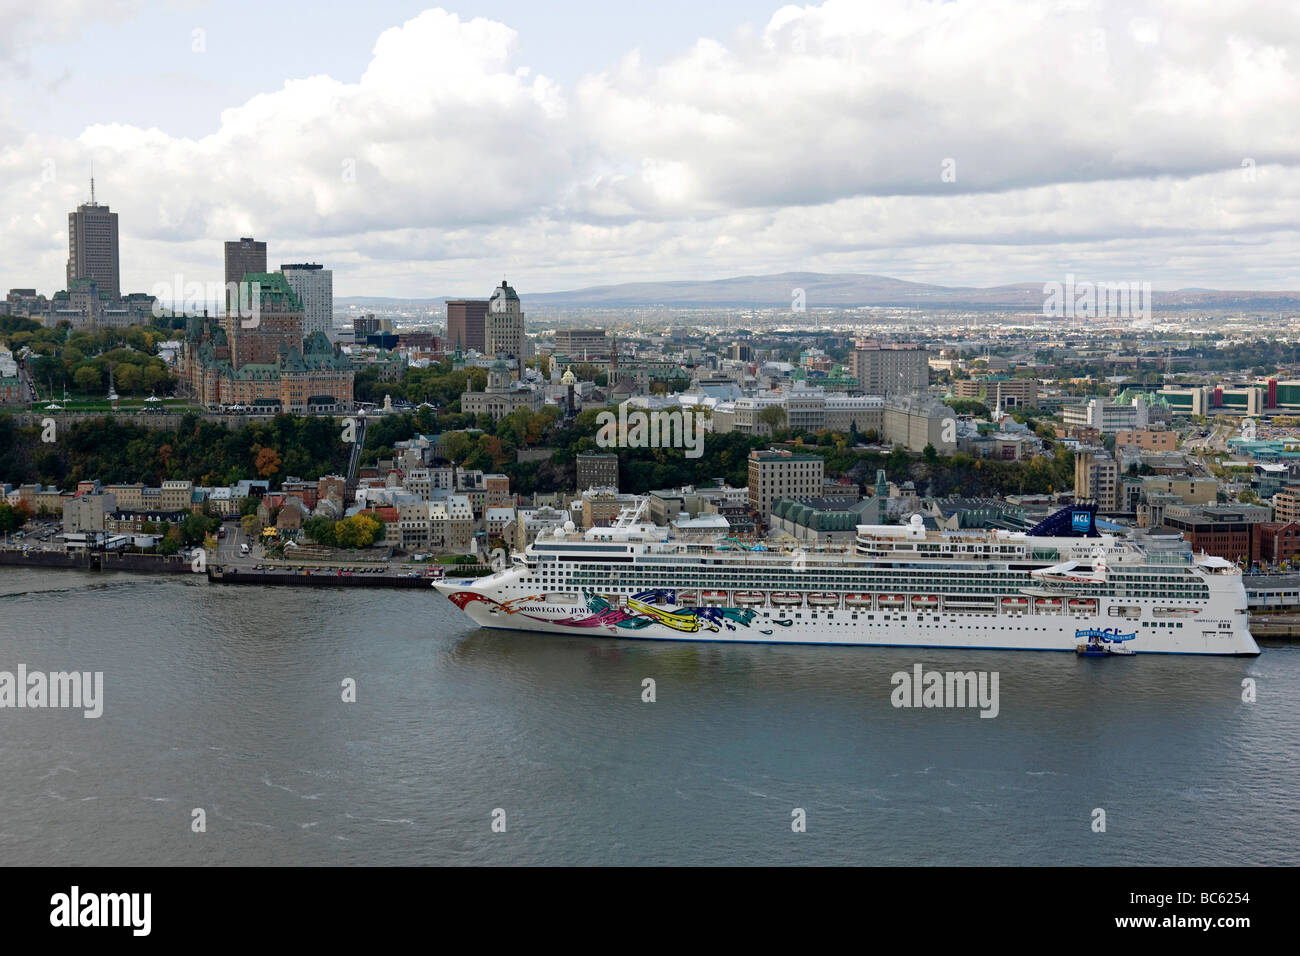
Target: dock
[317,578]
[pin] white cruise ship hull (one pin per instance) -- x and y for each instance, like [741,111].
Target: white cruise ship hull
[499,601]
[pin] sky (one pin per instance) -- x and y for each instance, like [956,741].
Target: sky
[422,151]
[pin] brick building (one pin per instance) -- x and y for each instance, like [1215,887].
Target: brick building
[1228,531]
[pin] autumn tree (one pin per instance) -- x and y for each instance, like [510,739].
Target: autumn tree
[267,462]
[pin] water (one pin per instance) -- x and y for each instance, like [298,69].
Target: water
[229,699]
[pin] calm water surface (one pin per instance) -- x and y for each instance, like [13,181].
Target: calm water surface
[229,699]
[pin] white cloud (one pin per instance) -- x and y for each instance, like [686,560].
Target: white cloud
[1081,132]
[25,24]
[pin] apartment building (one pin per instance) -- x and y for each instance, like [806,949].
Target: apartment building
[779,473]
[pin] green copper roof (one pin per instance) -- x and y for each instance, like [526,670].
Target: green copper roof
[274,290]
[506,291]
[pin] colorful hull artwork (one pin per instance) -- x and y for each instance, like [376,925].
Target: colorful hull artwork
[639,612]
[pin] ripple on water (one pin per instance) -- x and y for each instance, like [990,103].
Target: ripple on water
[229,700]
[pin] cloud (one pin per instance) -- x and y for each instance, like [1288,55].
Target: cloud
[964,142]
[23,25]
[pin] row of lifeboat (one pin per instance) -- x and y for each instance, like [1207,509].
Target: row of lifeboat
[747,598]
[921,602]
[1050,604]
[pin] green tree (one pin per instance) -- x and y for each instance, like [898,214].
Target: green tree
[968,406]
[194,528]
[773,416]
[172,541]
[87,379]
[320,530]
[12,517]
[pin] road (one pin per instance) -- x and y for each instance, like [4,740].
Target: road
[1199,449]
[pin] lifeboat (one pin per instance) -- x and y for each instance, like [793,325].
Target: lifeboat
[1015,604]
[715,597]
[686,597]
[1083,606]
[892,600]
[1047,604]
[824,599]
[857,600]
[925,600]
[786,597]
[749,597]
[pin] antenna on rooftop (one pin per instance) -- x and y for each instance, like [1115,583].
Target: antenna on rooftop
[92,182]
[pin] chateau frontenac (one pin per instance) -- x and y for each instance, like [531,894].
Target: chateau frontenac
[258,356]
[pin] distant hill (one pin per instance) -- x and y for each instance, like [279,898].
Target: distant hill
[847,290]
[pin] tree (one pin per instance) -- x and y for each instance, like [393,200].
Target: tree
[458,446]
[172,541]
[194,528]
[320,530]
[968,406]
[87,379]
[495,449]
[773,416]
[358,531]
[12,517]
[267,462]
[127,378]
[898,460]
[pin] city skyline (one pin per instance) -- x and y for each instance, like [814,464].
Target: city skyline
[1125,145]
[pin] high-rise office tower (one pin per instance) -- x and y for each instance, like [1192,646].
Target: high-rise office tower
[314,285]
[466,324]
[504,327]
[92,246]
[242,257]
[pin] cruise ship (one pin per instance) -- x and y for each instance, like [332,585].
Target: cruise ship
[1061,586]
